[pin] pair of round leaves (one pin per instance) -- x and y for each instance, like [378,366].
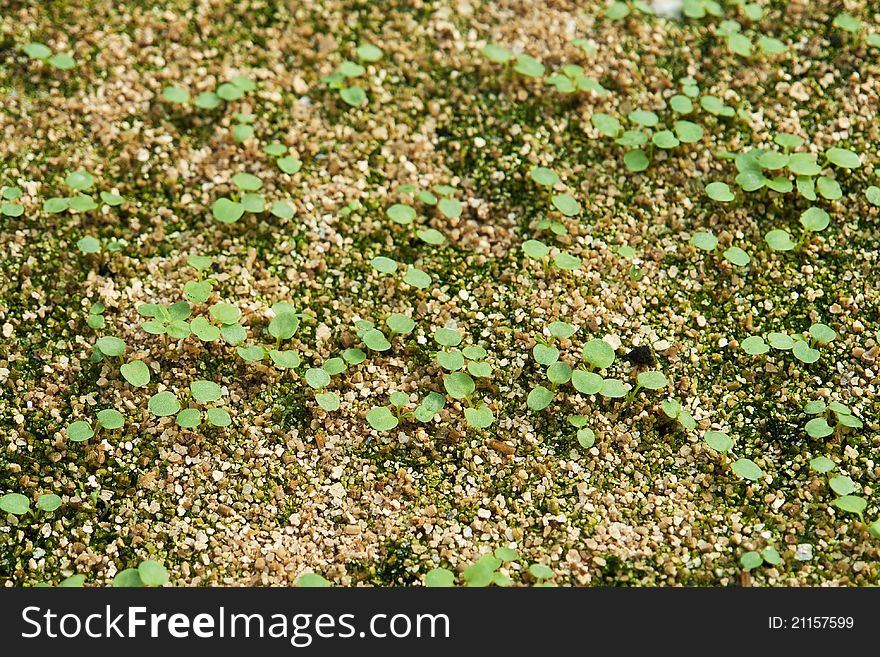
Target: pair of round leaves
[18,504]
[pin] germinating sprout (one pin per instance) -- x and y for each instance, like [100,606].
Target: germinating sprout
[40,51]
[675,411]
[706,241]
[819,427]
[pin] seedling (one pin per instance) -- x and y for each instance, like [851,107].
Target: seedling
[521,63]
[341,80]
[484,571]
[95,318]
[586,437]
[675,411]
[381,418]
[819,427]
[706,241]
[9,208]
[59,60]
[571,79]
[561,202]
[229,210]
[761,169]
[81,431]
[753,559]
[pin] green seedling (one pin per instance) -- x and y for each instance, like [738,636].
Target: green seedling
[646,133]
[675,411]
[229,210]
[521,63]
[41,52]
[753,559]
[571,79]
[9,208]
[349,71]
[109,419]
[95,318]
[706,241]
[109,346]
[412,276]
[819,427]
[586,437]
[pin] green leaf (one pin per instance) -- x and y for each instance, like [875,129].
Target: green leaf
[586,437]
[653,380]
[747,469]
[79,431]
[636,160]
[110,418]
[606,124]
[251,354]
[37,51]
[152,573]
[459,385]
[528,66]
[312,581]
[779,240]
[822,464]
[613,389]
[80,180]
[544,176]
[163,404]
[329,401]
[842,485]
[62,61]
[822,333]
[736,256]
[704,240]
[851,504]
[369,53]
[175,95]
[497,54]
[189,418]
[317,378]
[381,419]
[48,502]
[15,503]
[755,345]
[226,210]
[128,578]
[218,417]
[110,346]
[598,353]
[376,340]
[751,560]
[587,383]
[439,578]
[718,440]
[480,417]
[353,96]
[417,278]
[719,191]
[205,391]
